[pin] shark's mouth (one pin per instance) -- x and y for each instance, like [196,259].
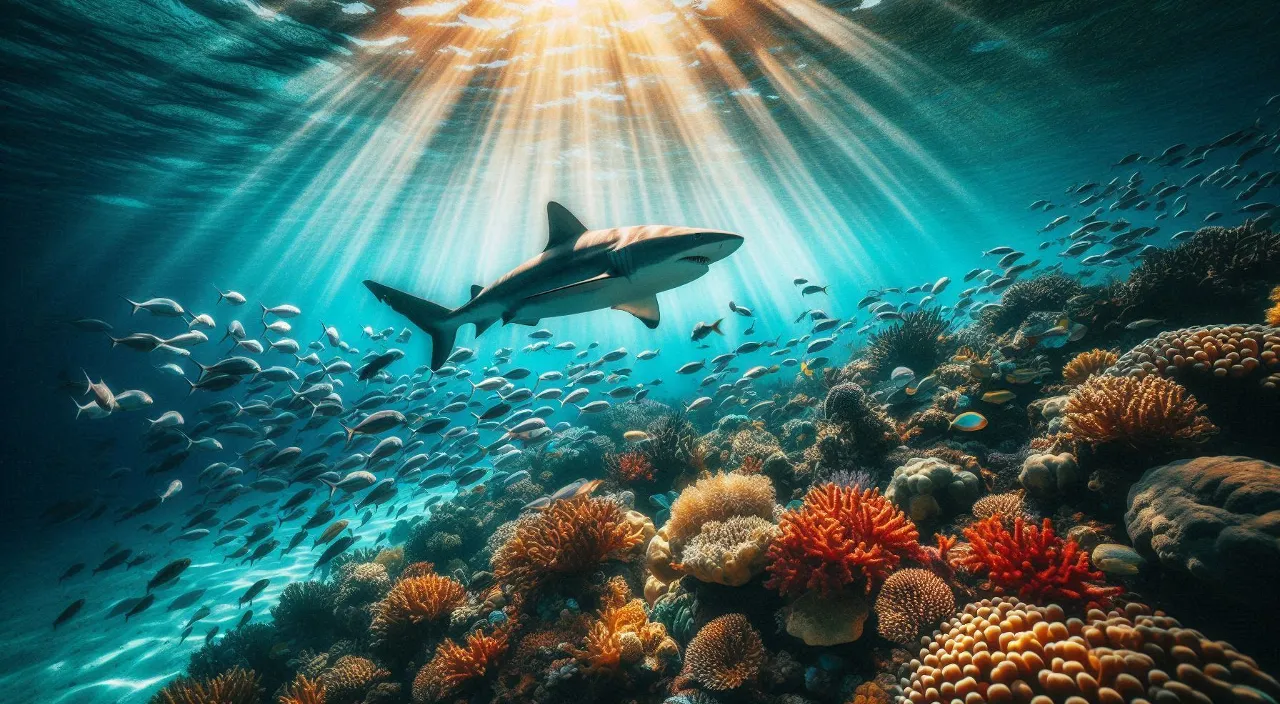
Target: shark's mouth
[704,261]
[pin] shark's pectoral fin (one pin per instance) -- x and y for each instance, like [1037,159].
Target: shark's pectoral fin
[585,286]
[646,309]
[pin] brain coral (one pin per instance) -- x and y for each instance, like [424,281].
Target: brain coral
[235,686]
[1215,517]
[840,536]
[571,537]
[923,484]
[412,608]
[1008,506]
[718,497]
[1003,651]
[726,654]
[728,552]
[910,602]
[1049,474]
[350,678]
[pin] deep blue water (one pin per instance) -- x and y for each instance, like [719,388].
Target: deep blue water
[162,149]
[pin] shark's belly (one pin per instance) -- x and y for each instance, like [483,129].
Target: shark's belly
[603,294]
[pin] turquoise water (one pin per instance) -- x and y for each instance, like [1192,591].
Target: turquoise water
[291,150]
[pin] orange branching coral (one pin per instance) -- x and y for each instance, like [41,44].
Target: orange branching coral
[417,569]
[303,691]
[624,635]
[235,686]
[1032,563]
[751,465]
[631,467]
[725,654]
[455,665]
[573,536]
[1086,364]
[840,536]
[912,601]
[719,497]
[1273,313]
[413,606]
[1017,652]
[1147,413]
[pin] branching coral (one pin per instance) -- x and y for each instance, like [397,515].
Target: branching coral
[623,635]
[1086,364]
[456,665]
[571,537]
[1002,650]
[305,613]
[718,497]
[912,601]
[919,342]
[1151,413]
[726,654]
[673,444]
[1032,563]
[840,537]
[303,691]
[860,433]
[235,686]
[728,552]
[347,681]
[1043,294]
[630,467]
[413,607]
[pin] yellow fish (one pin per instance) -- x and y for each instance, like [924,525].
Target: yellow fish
[635,436]
[997,397]
[804,369]
[1022,376]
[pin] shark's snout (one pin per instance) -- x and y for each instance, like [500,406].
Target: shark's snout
[711,246]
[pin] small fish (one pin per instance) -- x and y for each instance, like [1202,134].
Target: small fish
[701,330]
[635,436]
[254,590]
[969,421]
[814,288]
[1143,323]
[69,613]
[998,397]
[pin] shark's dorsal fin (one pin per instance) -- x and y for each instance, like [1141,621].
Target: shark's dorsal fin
[475,290]
[562,226]
[646,309]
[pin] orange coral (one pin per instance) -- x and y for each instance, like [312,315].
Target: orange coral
[725,654]
[303,691]
[623,634]
[573,536]
[1086,364]
[751,465]
[1147,413]
[718,498]
[1035,564]
[1273,313]
[870,693]
[840,536]
[235,686]
[631,467]
[417,569]
[412,606]
[454,666]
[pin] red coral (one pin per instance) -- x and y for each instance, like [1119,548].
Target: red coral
[633,467]
[751,465]
[840,536]
[1033,563]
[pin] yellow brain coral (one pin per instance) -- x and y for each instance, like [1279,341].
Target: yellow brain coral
[719,497]
[1147,413]
[412,606]
[726,654]
[573,536]
[1003,651]
[350,678]
[728,552]
[912,601]
[303,691]
[235,686]
[1086,364]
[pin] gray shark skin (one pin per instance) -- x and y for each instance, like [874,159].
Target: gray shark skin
[580,270]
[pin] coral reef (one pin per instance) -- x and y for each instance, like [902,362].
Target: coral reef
[728,552]
[859,432]
[304,613]
[1043,294]
[1149,414]
[1033,563]
[1049,474]
[912,601]
[828,620]
[924,484]
[623,635]
[348,679]
[1008,506]
[571,537]
[362,583]
[1273,313]
[455,666]
[1214,518]
[1236,351]
[840,536]
[303,691]
[718,497]
[630,467]
[235,686]
[726,654]
[673,444]
[1002,650]
[918,342]
[451,533]
[1086,364]
[413,608]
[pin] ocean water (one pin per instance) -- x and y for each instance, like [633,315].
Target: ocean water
[291,150]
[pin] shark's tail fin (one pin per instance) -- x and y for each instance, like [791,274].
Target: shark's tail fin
[432,318]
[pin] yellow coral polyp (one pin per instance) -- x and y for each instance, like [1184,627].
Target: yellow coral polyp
[1273,313]
[1146,413]
[719,497]
[1087,364]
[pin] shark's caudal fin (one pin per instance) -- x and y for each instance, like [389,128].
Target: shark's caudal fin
[432,318]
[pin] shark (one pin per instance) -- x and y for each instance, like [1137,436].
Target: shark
[579,270]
